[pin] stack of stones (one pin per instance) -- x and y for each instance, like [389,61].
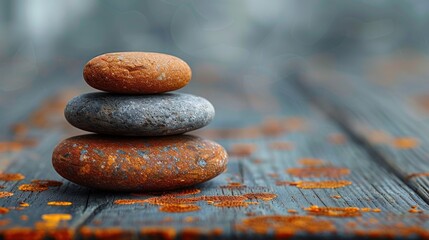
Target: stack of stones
[138,145]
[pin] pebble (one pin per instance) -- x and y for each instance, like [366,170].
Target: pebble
[139,115]
[137,73]
[138,164]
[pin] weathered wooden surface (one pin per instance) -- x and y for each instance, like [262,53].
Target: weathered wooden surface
[268,133]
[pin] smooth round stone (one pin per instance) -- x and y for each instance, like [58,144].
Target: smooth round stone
[138,164]
[142,115]
[137,73]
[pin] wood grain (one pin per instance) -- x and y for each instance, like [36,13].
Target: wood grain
[265,141]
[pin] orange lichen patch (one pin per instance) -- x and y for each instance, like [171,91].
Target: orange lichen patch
[47,183]
[366,209]
[159,232]
[56,217]
[230,204]
[59,203]
[32,187]
[337,138]
[311,162]
[322,184]
[376,210]
[11,146]
[242,149]
[334,211]
[105,233]
[24,217]
[280,146]
[272,127]
[285,226]
[179,208]
[11,176]
[4,210]
[263,196]
[422,174]
[129,201]
[5,194]
[405,143]
[336,196]
[331,172]
[24,204]
[415,209]
[234,185]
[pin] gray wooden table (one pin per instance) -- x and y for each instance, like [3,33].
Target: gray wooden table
[319,154]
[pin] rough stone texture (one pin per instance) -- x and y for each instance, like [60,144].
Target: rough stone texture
[138,164]
[137,73]
[143,115]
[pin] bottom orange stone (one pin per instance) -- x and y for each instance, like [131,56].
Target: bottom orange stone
[138,164]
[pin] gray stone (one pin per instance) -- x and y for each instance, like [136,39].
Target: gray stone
[139,115]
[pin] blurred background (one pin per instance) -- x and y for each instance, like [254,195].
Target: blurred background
[247,44]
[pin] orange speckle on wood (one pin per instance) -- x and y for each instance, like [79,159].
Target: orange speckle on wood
[332,172]
[11,176]
[230,204]
[405,143]
[334,211]
[4,210]
[129,201]
[179,208]
[336,196]
[262,195]
[24,217]
[285,226]
[5,194]
[311,162]
[59,203]
[415,209]
[24,204]
[322,184]
[242,149]
[56,217]
[32,187]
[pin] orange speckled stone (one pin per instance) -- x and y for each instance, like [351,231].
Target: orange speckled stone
[138,164]
[137,73]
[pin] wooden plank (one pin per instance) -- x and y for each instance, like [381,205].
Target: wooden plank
[280,132]
[394,131]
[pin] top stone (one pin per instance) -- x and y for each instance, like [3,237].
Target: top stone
[136,73]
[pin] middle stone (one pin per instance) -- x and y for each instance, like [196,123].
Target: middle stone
[139,115]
